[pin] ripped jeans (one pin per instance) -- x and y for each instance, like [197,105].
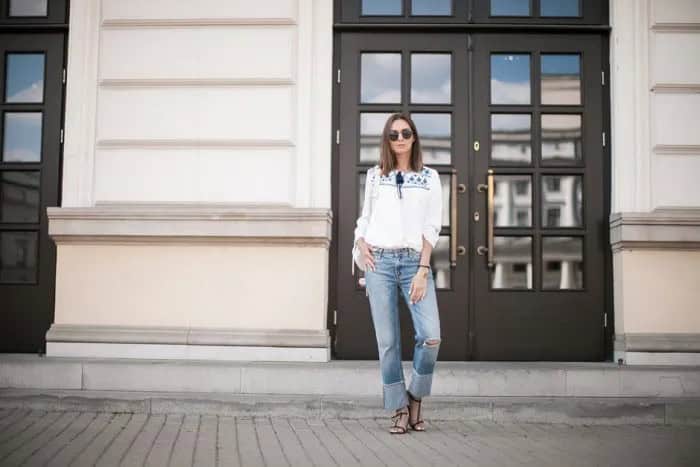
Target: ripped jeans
[394,271]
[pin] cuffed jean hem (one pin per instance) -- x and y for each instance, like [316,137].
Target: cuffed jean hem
[395,396]
[420,384]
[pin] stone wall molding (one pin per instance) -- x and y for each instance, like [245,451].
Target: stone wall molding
[188,336]
[659,229]
[670,342]
[191,223]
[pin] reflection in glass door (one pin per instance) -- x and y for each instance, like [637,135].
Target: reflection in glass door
[30,116]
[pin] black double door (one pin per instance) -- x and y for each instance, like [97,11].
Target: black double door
[514,125]
[31,99]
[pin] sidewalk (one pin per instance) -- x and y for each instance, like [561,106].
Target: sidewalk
[34,437]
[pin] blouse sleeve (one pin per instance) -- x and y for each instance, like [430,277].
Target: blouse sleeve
[363,220]
[433,215]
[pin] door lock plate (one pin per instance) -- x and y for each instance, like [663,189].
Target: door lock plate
[476,216]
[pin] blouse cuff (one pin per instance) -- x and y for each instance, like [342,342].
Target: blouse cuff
[431,235]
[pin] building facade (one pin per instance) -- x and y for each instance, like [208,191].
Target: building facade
[182,180]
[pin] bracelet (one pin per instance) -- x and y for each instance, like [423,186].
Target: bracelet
[423,266]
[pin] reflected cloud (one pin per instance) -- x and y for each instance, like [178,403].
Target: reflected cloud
[381,78]
[22,137]
[431,77]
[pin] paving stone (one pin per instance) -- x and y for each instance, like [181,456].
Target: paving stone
[137,452]
[313,448]
[102,441]
[49,450]
[69,438]
[227,443]
[162,448]
[24,451]
[205,447]
[71,451]
[124,440]
[183,450]
[26,434]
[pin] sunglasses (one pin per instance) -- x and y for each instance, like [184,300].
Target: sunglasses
[406,133]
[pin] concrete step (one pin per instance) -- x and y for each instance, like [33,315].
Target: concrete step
[353,378]
[571,410]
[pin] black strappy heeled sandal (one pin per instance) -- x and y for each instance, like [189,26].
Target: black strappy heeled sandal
[414,405]
[400,419]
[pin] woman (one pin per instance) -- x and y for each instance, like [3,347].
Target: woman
[395,235]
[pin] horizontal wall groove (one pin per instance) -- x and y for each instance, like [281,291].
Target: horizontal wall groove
[677,149]
[191,82]
[127,23]
[676,27]
[676,88]
[192,143]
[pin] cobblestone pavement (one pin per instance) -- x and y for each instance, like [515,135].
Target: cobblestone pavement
[33,437]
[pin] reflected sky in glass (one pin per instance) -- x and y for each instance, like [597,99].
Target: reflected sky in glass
[431,7]
[25,78]
[381,7]
[371,127]
[510,7]
[559,8]
[381,78]
[435,131]
[28,7]
[431,78]
[510,79]
[511,139]
[19,196]
[561,79]
[22,137]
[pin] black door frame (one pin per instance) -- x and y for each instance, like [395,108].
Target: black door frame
[597,26]
[455,340]
[44,34]
[565,320]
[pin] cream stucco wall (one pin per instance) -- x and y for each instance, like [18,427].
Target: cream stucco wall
[660,290]
[655,92]
[192,286]
[204,114]
[222,102]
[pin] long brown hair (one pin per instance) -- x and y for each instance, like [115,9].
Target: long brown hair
[387,161]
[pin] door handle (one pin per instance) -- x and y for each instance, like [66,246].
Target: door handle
[453,218]
[488,188]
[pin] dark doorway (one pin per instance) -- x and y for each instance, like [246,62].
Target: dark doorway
[514,124]
[31,105]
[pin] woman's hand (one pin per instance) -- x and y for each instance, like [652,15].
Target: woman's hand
[367,255]
[419,285]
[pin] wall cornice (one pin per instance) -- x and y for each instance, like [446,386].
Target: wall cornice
[188,336]
[659,229]
[134,223]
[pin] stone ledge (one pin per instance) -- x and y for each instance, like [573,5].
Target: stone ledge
[572,410]
[188,336]
[659,229]
[191,223]
[672,342]
[349,378]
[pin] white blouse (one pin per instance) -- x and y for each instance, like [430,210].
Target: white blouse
[401,222]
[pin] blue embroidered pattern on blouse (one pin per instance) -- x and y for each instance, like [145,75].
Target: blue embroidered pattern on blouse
[411,180]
